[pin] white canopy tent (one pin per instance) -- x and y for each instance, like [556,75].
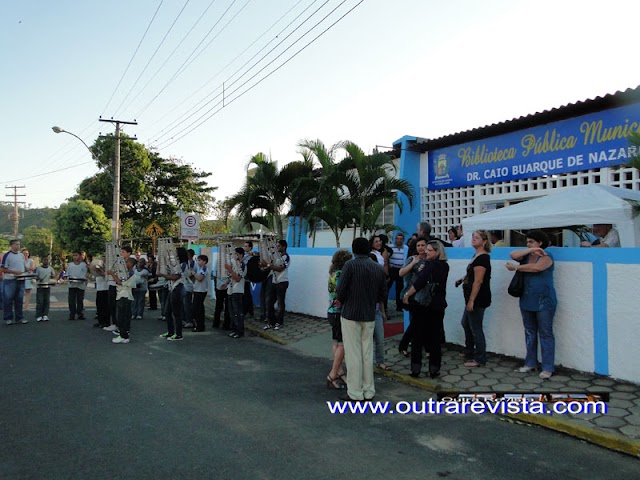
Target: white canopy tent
[583,205]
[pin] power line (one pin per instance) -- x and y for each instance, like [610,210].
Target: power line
[46,173]
[133,56]
[260,60]
[176,121]
[270,73]
[152,77]
[180,69]
[155,52]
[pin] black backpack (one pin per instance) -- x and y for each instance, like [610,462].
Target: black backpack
[254,273]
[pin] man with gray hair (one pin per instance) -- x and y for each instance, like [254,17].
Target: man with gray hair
[362,285]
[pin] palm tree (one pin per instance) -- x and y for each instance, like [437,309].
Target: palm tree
[266,193]
[327,200]
[370,180]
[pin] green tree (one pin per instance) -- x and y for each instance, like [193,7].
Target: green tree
[267,191]
[369,180]
[38,240]
[82,225]
[324,198]
[219,223]
[152,188]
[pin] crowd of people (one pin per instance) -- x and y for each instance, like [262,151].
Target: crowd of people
[178,291]
[358,291]
[359,282]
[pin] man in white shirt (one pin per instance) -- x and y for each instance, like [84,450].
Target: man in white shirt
[607,236]
[13,289]
[396,262]
[278,290]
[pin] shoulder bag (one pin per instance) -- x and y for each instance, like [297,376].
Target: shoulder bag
[425,295]
[516,287]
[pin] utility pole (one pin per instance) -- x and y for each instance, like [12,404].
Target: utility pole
[115,222]
[15,214]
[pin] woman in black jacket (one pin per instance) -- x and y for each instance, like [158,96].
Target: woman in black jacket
[428,321]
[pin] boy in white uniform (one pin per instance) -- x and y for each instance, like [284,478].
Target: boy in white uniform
[124,298]
[235,292]
[44,274]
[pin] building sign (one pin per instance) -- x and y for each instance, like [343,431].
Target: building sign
[590,141]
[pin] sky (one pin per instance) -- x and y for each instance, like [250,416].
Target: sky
[377,70]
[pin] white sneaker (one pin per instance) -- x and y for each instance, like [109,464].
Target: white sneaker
[24,320]
[526,369]
[39,319]
[9,322]
[545,375]
[119,339]
[138,317]
[110,328]
[45,318]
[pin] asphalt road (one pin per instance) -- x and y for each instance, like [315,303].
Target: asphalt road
[76,406]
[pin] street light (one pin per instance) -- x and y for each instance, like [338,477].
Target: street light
[62,130]
[115,222]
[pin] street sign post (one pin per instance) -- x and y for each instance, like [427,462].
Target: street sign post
[189,226]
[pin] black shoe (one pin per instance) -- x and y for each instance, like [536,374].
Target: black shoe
[237,335]
[81,317]
[434,374]
[415,374]
[231,334]
[196,329]
[346,398]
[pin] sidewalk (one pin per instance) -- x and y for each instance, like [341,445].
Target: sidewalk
[618,430]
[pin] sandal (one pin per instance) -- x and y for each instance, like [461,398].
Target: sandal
[332,383]
[342,377]
[382,366]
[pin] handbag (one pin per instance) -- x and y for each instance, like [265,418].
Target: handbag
[425,295]
[516,287]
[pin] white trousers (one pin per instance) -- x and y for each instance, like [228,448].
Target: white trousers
[358,354]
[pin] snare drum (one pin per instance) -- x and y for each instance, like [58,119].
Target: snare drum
[26,276]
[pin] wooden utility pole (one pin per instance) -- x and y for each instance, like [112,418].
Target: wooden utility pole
[15,215]
[115,222]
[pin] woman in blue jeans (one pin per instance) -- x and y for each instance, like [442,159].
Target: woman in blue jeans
[477,297]
[538,302]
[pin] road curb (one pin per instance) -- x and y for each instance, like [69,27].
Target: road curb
[611,441]
[266,335]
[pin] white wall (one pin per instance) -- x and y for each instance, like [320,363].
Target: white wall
[624,320]
[574,320]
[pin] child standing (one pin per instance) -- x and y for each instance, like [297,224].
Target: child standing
[44,274]
[200,290]
[235,292]
[124,298]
